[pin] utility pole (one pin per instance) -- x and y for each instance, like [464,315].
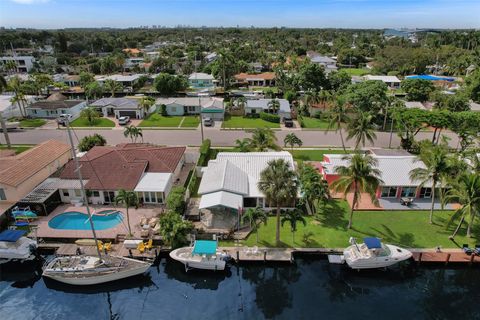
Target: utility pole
[199,100]
[391,134]
[4,129]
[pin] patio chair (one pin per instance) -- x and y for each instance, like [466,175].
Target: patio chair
[477,249]
[107,246]
[466,249]
[149,244]
[141,247]
[100,246]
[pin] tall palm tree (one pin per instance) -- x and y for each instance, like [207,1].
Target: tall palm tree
[90,114]
[467,192]
[278,184]
[325,97]
[146,103]
[20,101]
[436,161]
[3,87]
[338,115]
[291,139]
[293,217]
[360,176]
[361,128]
[241,102]
[263,139]
[133,133]
[129,199]
[273,106]
[255,216]
[15,84]
[112,86]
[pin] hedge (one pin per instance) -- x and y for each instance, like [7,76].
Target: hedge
[270,117]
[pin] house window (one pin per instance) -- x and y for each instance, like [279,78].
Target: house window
[78,193]
[34,111]
[146,196]
[408,192]
[2,195]
[66,193]
[389,192]
[96,194]
[159,197]
[249,202]
[174,109]
[425,192]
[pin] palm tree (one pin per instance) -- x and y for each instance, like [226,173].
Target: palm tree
[15,85]
[263,139]
[3,87]
[291,139]
[278,184]
[93,90]
[293,217]
[255,216]
[129,199]
[133,133]
[273,106]
[243,145]
[467,192]
[362,128]
[360,176]
[90,114]
[112,86]
[241,102]
[338,115]
[313,187]
[436,161]
[146,103]
[325,97]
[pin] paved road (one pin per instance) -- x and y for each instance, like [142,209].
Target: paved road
[193,137]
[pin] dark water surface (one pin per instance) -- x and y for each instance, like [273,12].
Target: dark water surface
[308,289]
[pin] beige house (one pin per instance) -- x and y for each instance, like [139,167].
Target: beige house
[20,174]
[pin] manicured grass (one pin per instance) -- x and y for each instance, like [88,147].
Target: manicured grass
[248,123]
[314,123]
[157,120]
[356,71]
[19,148]
[190,122]
[329,228]
[32,123]
[313,155]
[99,123]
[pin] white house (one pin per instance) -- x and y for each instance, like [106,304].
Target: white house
[327,63]
[120,107]
[23,64]
[207,106]
[391,81]
[127,81]
[254,107]
[199,80]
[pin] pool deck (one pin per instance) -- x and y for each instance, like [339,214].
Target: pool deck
[44,231]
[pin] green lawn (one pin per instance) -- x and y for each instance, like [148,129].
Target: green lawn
[239,122]
[356,71]
[329,227]
[99,123]
[314,123]
[313,155]
[190,122]
[19,148]
[157,120]
[32,123]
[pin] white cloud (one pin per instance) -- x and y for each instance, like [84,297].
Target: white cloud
[29,1]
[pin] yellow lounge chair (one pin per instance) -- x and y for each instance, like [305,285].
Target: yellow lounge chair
[107,246]
[149,244]
[141,247]
[100,246]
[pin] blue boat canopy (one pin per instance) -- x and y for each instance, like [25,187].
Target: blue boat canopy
[205,247]
[372,243]
[11,235]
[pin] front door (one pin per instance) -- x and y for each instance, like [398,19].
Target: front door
[109,196]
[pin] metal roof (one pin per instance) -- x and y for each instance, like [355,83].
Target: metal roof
[221,198]
[119,103]
[153,182]
[383,78]
[224,175]
[263,104]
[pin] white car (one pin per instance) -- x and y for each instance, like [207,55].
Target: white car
[62,119]
[123,120]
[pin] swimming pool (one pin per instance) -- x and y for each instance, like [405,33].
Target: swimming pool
[74,220]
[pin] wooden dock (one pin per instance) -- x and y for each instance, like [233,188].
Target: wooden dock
[446,257]
[70,249]
[250,254]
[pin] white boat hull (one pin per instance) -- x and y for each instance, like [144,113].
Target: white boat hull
[88,279]
[184,255]
[374,262]
[22,249]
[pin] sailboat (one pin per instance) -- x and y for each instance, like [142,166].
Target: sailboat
[90,270]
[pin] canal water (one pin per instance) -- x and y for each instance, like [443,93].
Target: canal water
[307,289]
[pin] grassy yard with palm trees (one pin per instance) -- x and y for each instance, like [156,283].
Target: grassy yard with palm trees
[82,122]
[328,229]
[239,122]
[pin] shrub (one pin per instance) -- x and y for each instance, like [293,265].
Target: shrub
[318,115]
[300,121]
[163,110]
[175,199]
[89,142]
[270,117]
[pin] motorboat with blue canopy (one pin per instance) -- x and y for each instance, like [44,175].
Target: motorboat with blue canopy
[372,253]
[14,246]
[203,254]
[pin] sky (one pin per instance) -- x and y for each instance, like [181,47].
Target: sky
[51,14]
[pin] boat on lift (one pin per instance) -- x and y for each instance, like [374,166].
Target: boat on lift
[204,254]
[373,254]
[15,247]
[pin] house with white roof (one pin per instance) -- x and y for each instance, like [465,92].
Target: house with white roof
[230,181]
[127,81]
[394,166]
[120,107]
[391,81]
[200,80]
[327,63]
[207,106]
[255,107]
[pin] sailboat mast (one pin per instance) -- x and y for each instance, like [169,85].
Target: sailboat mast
[84,194]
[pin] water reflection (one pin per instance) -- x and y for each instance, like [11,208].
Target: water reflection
[21,275]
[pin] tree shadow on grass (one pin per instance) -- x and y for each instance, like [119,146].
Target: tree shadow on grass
[387,235]
[332,215]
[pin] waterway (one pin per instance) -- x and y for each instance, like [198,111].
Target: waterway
[308,289]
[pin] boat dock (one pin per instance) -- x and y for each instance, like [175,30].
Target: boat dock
[248,254]
[446,257]
[71,249]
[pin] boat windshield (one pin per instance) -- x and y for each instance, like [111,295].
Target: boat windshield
[383,252]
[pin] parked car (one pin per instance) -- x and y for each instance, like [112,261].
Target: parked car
[208,122]
[62,119]
[123,120]
[287,120]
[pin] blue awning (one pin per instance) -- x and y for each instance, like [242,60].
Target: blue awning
[205,247]
[372,243]
[11,235]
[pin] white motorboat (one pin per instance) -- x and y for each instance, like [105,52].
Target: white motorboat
[15,247]
[90,270]
[373,254]
[204,254]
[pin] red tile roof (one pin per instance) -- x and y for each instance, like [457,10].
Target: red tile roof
[121,167]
